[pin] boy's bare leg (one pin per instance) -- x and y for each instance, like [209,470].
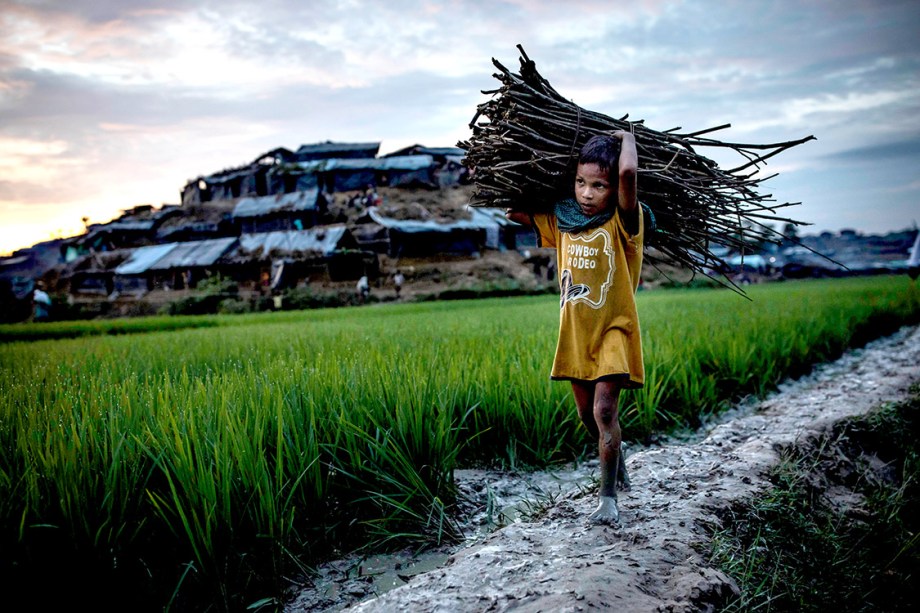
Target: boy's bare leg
[606,414]
[583,391]
[598,408]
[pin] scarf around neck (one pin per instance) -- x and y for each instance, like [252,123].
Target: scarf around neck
[572,220]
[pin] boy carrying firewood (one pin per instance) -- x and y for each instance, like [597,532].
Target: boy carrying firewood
[598,237]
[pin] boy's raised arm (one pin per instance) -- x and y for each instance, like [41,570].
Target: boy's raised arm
[627,171]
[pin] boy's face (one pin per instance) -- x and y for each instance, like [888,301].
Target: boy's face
[592,189]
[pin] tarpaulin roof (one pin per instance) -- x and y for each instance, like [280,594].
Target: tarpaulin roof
[132,224]
[142,258]
[443,151]
[331,147]
[210,227]
[322,240]
[194,253]
[400,162]
[307,166]
[278,153]
[229,174]
[141,218]
[752,259]
[477,221]
[422,149]
[22,259]
[295,201]
[496,215]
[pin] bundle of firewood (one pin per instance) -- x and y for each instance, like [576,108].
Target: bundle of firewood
[524,149]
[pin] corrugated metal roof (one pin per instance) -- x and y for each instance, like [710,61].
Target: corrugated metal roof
[295,201]
[321,240]
[194,253]
[142,258]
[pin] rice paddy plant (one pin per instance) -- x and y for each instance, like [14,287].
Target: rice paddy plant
[74,329]
[643,410]
[225,473]
[730,349]
[522,418]
[224,456]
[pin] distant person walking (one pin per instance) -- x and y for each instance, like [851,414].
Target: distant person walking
[363,289]
[41,302]
[398,280]
[913,262]
[370,196]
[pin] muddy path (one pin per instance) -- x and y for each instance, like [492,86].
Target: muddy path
[657,559]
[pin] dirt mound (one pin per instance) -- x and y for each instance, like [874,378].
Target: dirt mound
[443,205]
[656,560]
[424,204]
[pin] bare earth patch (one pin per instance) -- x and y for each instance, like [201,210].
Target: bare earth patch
[657,559]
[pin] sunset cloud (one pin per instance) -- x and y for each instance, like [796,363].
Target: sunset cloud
[109,103]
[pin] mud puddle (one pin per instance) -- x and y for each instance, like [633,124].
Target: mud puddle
[490,499]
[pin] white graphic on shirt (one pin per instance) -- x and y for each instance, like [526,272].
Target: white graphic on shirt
[581,254]
[569,292]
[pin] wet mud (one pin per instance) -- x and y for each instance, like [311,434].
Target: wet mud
[531,548]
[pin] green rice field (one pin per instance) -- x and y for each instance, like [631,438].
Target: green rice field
[177,461]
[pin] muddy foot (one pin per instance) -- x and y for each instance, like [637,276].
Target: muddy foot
[606,513]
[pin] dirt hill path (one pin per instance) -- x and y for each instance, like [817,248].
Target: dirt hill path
[652,562]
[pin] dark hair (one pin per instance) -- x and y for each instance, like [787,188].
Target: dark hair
[602,150]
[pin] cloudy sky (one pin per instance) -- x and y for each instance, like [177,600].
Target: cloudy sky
[105,104]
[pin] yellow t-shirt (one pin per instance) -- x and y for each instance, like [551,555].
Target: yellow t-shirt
[598,322]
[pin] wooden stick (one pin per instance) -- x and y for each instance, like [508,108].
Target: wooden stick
[524,144]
